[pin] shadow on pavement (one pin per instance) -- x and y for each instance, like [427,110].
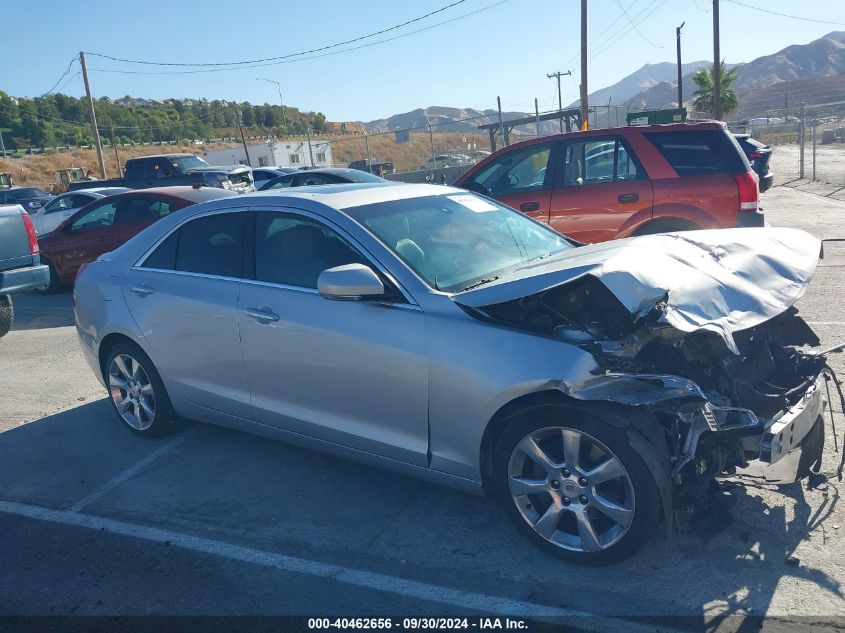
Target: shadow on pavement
[35,312]
[240,488]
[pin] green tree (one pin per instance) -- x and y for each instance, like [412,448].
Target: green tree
[703,100]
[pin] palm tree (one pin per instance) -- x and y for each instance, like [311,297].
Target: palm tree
[703,78]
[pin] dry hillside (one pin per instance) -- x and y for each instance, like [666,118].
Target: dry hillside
[39,170]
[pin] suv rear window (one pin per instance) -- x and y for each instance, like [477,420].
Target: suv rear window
[695,153]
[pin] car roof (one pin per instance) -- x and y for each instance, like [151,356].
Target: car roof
[347,195]
[194,195]
[339,171]
[180,154]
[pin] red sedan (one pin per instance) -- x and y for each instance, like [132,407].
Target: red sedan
[105,224]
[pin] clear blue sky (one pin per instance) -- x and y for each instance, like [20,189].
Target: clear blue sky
[505,50]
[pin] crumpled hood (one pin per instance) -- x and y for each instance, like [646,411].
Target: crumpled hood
[226,169]
[719,280]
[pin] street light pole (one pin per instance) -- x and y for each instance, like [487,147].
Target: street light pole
[281,101]
[680,75]
[717,65]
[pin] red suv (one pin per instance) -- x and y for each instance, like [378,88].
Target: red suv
[603,184]
[105,224]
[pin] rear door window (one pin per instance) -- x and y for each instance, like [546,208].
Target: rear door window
[211,245]
[599,161]
[141,210]
[699,153]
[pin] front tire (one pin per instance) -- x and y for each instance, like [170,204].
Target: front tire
[55,285]
[137,393]
[573,485]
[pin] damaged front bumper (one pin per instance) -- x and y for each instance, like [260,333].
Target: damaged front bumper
[791,441]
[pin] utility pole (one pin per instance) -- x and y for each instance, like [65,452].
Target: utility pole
[802,133]
[116,155]
[717,65]
[310,152]
[97,144]
[557,76]
[281,102]
[431,140]
[501,124]
[537,115]
[585,107]
[243,138]
[680,74]
[3,145]
[367,148]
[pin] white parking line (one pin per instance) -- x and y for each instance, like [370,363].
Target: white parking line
[464,600]
[130,472]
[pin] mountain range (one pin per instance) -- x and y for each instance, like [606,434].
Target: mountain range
[812,73]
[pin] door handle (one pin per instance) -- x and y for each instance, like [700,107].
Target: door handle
[529,206]
[627,198]
[142,290]
[261,315]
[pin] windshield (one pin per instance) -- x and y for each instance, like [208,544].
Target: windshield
[29,192]
[353,175]
[187,163]
[459,240]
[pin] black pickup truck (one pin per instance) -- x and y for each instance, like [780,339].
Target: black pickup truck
[20,263]
[164,170]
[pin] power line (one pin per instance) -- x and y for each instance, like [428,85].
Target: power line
[289,55]
[785,15]
[631,22]
[290,61]
[64,74]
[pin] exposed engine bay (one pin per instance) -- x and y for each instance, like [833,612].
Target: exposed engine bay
[721,404]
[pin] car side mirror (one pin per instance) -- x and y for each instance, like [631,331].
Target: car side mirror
[349,282]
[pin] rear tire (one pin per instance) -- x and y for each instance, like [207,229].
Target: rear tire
[572,484]
[7,314]
[137,393]
[55,285]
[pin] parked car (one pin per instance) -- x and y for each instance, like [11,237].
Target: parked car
[30,198]
[610,183]
[446,160]
[20,268]
[373,166]
[105,224]
[165,170]
[759,155]
[47,218]
[427,329]
[262,175]
[324,176]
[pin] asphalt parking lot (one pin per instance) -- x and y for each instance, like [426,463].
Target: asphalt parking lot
[96,521]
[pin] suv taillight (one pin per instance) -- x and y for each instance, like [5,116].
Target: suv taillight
[33,236]
[749,191]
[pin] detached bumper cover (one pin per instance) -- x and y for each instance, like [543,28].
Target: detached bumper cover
[21,279]
[793,441]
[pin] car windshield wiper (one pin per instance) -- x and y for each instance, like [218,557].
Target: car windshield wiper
[481,282]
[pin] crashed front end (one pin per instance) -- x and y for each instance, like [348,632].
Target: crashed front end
[700,330]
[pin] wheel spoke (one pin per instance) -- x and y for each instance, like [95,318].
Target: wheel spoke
[133,366]
[147,389]
[123,405]
[571,447]
[589,538]
[522,486]
[118,381]
[613,511]
[610,469]
[537,454]
[136,412]
[147,409]
[121,367]
[547,524]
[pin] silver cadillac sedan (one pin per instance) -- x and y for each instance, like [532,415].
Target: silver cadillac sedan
[594,391]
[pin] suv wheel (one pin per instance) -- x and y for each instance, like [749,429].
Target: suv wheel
[137,392]
[7,314]
[574,486]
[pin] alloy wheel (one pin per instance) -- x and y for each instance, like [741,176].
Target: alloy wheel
[132,392]
[571,489]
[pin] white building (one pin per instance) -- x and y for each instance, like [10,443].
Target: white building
[275,154]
